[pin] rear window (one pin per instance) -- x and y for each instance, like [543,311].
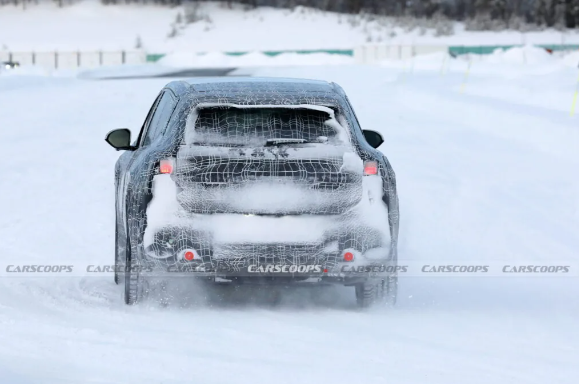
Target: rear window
[254,126]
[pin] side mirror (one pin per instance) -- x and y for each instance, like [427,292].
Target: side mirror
[120,139]
[373,138]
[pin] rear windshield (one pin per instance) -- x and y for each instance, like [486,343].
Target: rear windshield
[255,126]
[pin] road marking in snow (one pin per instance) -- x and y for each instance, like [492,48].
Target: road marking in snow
[465,78]
[575,98]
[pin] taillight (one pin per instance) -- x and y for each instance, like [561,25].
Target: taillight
[189,254]
[370,168]
[166,166]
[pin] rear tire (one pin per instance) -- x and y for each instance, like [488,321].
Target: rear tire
[374,291]
[367,293]
[390,290]
[132,276]
[117,252]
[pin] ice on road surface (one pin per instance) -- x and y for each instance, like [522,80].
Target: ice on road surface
[488,174]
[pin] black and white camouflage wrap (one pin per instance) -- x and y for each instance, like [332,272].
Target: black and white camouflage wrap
[239,203]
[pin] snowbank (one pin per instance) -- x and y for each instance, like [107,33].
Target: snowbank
[527,54]
[571,59]
[121,71]
[217,59]
[510,63]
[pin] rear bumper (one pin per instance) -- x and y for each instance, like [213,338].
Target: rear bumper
[247,246]
[322,259]
[277,274]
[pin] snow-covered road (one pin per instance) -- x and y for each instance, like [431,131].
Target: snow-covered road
[487,175]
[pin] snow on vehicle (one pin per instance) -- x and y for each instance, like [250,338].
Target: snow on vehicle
[255,181]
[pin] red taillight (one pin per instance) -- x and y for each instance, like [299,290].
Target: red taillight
[189,255]
[370,168]
[348,256]
[166,166]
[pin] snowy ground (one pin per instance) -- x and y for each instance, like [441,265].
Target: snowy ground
[485,175]
[88,25]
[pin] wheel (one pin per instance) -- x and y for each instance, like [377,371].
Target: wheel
[132,276]
[367,293]
[117,252]
[132,283]
[121,245]
[390,290]
[377,291]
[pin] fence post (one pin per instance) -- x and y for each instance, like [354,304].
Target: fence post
[55,59]
[123,57]
[33,58]
[78,59]
[101,58]
[9,56]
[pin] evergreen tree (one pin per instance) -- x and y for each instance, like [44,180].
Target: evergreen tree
[479,14]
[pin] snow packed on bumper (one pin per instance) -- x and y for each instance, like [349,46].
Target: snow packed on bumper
[309,201]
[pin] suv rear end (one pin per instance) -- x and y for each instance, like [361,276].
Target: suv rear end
[269,193]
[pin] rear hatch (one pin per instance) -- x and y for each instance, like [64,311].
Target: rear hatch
[267,161]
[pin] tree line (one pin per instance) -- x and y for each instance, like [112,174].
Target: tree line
[479,14]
